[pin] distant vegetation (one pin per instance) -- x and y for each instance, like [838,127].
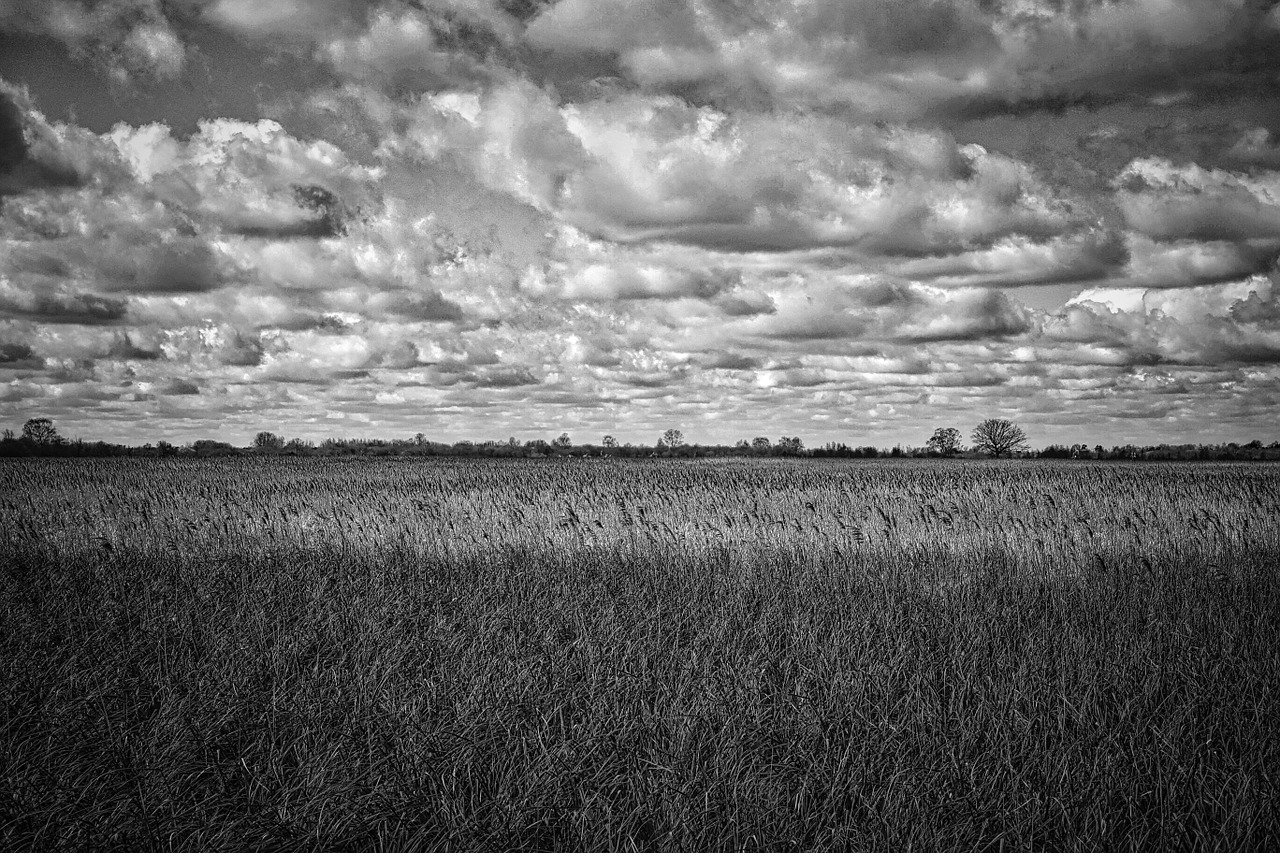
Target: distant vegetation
[432,654]
[992,437]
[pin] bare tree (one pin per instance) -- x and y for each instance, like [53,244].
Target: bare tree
[998,437]
[671,438]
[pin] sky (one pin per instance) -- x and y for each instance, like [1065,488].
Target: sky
[846,220]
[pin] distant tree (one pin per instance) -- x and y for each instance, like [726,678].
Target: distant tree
[945,441]
[608,441]
[41,431]
[998,437]
[761,443]
[671,438]
[420,438]
[8,435]
[563,442]
[267,441]
[742,444]
[791,444]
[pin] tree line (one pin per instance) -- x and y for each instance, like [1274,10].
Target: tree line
[991,438]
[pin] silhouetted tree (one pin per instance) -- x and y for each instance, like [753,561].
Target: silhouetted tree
[608,441]
[267,441]
[563,442]
[41,431]
[998,437]
[761,443]
[671,438]
[791,444]
[945,440]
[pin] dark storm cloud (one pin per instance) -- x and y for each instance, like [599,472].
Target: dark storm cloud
[61,306]
[730,361]
[426,305]
[18,356]
[24,167]
[179,388]
[895,311]
[179,266]
[13,141]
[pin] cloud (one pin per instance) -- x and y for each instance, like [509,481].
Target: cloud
[1208,325]
[659,169]
[630,215]
[1170,202]
[628,281]
[887,311]
[129,38]
[180,265]
[60,305]
[36,155]
[412,49]
[18,356]
[507,376]
[179,388]
[1256,147]
[902,61]
[283,18]
[1022,261]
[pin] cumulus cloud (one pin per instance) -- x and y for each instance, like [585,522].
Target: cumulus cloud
[661,169]
[1208,325]
[1167,202]
[832,216]
[890,311]
[37,155]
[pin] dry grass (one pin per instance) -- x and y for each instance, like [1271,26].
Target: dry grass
[752,655]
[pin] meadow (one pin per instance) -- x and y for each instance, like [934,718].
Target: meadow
[314,654]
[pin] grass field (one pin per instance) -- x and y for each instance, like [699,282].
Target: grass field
[299,654]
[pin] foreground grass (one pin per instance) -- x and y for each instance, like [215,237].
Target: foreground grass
[868,674]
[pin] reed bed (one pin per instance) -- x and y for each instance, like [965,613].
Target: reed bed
[312,654]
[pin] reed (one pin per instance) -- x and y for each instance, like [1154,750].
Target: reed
[523,654]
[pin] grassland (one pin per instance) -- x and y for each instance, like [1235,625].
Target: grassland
[313,654]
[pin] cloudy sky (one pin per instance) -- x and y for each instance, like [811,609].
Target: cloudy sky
[850,220]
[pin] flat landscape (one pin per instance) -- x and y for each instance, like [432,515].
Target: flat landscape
[300,654]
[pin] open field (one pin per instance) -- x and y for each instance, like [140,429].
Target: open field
[413,655]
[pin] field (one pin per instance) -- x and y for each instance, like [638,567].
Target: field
[301,654]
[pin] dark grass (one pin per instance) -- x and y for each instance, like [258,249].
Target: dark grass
[790,691]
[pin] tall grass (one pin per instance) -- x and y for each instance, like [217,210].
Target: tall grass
[759,655]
